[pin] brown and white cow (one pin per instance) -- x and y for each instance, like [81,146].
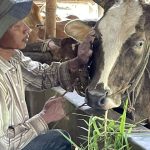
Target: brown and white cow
[36,21]
[121,62]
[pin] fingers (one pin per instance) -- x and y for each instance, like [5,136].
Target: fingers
[60,98]
[52,45]
[87,42]
[54,101]
[90,52]
[92,32]
[90,37]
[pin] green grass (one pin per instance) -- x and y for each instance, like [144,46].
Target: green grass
[105,134]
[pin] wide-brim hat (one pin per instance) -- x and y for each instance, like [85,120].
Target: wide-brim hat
[12,11]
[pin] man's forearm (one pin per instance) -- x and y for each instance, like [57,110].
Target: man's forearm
[75,65]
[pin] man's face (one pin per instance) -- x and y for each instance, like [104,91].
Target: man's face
[16,36]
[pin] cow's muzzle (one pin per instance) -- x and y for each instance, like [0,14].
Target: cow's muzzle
[96,99]
[100,99]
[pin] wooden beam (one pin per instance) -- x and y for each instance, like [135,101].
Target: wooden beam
[51,18]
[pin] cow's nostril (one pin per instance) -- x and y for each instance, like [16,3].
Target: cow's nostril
[96,99]
[101,101]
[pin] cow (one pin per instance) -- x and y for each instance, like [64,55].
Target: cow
[120,67]
[36,21]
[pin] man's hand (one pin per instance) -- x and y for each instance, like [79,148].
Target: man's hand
[84,49]
[84,53]
[52,45]
[53,110]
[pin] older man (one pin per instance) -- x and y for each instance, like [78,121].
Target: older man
[17,72]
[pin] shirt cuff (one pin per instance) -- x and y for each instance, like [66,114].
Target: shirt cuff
[65,77]
[38,123]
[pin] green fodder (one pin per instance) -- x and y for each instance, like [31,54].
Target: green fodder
[105,134]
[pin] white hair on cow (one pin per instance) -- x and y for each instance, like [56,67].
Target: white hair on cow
[145,2]
[116,27]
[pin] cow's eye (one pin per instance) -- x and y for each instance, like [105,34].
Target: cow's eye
[139,44]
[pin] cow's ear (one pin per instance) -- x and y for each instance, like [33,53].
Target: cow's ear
[77,30]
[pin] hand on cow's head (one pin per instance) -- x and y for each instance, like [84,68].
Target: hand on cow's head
[52,45]
[84,49]
[84,53]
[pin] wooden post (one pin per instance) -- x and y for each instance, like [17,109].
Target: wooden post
[51,18]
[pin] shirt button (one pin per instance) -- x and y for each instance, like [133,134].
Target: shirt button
[13,69]
[26,116]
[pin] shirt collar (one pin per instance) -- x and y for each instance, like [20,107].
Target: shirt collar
[5,65]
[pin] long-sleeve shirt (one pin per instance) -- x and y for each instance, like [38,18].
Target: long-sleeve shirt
[16,128]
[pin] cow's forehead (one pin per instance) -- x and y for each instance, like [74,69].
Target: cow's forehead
[116,27]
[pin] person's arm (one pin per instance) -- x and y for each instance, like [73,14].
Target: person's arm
[20,134]
[39,76]
[42,76]
[16,136]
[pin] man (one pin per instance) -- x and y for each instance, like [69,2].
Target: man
[18,72]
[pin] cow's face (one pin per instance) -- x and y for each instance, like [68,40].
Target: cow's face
[123,45]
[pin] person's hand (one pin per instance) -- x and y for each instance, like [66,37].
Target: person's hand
[84,53]
[84,49]
[52,45]
[53,110]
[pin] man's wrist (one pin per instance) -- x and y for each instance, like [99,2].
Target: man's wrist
[74,64]
[44,117]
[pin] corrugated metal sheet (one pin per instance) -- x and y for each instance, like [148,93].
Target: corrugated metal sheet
[41,2]
[65,1]
[76,1]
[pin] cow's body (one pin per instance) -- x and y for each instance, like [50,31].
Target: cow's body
[121,61]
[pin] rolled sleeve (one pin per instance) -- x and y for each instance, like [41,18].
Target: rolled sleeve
[65,77]
[38,123]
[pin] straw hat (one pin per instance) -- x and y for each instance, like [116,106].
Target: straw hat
[11,11]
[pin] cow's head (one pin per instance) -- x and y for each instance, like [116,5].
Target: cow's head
[124,38]
[36,23]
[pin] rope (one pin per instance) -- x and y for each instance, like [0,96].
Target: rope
[45,45]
